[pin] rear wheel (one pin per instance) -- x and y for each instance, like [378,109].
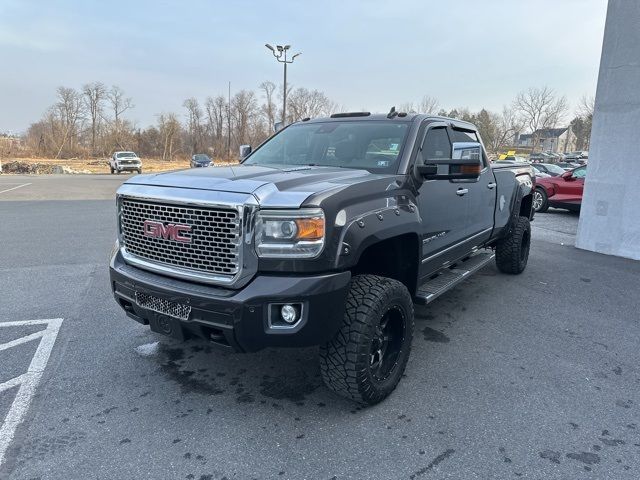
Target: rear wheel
[512,252]
[540,200]
[366,358]
[111,168]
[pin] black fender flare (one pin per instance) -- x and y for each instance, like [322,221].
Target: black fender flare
[372,222]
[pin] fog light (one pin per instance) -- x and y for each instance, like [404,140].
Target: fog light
[289,313]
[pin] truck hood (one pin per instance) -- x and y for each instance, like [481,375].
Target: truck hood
[272,187]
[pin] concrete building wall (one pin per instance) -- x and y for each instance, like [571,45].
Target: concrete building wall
[610,217]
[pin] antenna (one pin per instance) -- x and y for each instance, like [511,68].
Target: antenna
[392,113]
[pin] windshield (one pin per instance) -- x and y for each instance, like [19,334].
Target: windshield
[201,158]
[554,168]
[369,145]
[126,154]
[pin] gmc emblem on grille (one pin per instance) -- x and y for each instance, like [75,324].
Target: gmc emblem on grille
[170,231]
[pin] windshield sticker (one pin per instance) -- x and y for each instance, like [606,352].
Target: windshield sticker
[383,163]
[393,147]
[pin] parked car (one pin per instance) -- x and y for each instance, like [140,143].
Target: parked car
[563,191]
[567,165]
[579,155]
[325,235]
[125,162]
[541,157]
[201,160]
[551,169]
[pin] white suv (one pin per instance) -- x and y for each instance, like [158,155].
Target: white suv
[125,161]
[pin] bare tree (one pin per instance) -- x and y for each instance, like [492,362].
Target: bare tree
[540,108]
[194,123]
[216,111]
[303,103]
[583,122]
[67,112]
[498,131]
[243,111]
[586,106]
[429,105]
[94,97]
[407,107]
[269,107]
[119,104]
[169,128]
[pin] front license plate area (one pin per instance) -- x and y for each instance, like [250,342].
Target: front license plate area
[169,308]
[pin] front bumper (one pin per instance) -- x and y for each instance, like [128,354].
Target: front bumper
[128,166]
[236,319]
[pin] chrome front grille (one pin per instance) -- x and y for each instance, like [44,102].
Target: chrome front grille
[211,246]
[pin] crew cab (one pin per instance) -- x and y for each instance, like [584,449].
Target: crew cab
[563,191]
[125,162]
[327,234]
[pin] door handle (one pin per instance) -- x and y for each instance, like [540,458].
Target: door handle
[491,185]
[461,191]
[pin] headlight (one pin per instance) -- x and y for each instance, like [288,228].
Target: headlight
[290,233]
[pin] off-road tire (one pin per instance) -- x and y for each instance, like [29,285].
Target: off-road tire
[346,360]
[544,200]
[512,252]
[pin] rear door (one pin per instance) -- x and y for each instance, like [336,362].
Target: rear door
[443,210]
[480,193]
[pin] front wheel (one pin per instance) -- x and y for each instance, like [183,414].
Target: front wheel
[368,355]
[512,252]
[139,171]
[540,200]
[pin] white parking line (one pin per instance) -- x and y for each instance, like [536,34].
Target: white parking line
[14,188]
[27,381]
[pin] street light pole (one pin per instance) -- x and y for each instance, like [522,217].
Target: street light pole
[280,53]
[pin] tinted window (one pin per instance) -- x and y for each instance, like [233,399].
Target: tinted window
[462,136]
[436,144]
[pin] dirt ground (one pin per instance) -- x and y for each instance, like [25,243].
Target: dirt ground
[80,166]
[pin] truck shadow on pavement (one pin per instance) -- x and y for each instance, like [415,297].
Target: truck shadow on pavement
[277,377]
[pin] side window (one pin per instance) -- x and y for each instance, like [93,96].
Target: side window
[436,144]
[462,136]
[580,172]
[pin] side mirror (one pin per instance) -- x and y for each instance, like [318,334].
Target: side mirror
[465,164]
[567,176]
[245,150]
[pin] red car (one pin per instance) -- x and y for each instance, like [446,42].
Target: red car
[564,191]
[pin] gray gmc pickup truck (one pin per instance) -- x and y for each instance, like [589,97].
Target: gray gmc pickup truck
[326,234]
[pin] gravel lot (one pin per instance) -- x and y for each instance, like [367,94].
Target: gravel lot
[534,376]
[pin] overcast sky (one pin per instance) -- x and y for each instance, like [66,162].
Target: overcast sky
[363,54]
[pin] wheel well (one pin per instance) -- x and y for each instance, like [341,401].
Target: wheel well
[526,205]
[395,258]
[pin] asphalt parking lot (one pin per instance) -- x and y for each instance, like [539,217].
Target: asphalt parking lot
[534,376]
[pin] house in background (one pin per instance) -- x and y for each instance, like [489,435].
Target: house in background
[556,140]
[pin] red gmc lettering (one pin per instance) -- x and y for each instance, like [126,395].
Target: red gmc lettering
[171,231]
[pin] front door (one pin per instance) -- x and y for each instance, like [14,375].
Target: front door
[570,189]
[481,194]
[443,209]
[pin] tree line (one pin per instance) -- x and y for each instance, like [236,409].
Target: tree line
[92,121]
